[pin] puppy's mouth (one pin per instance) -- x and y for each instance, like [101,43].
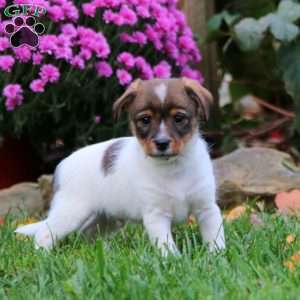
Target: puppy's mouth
[163,156]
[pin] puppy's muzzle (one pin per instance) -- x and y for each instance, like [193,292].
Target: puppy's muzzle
[162,144]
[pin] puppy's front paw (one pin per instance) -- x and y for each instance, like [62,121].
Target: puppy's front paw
[169,250]
[44,239]
[217,246]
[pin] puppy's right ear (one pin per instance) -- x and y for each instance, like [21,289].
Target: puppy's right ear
[126,99]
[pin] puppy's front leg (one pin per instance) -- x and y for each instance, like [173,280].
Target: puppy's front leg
[158,228]
[211,227]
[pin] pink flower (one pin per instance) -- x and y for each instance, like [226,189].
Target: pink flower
[128,15]
[139,38]
[2,3]
[154,37]
[93,41]
[110,3]
[85,54]
[193,74]
[37,86]
[4,43]
[56,13]
[144,68]
[162,70]
[182,60]
[64,53]
[100,46]
[14,96]
[48,43]
[37,58]
[42,3]
[196,56]
[143,11]
[49,73]
[187,31]
[186,42]
[172,50]
[69,30]
[23,54]
[165,23]
[126,59]
[124,77]
[63,41]
[146,72]
[12,90]
[6,62]
[89,9]
[108,16]
[78,62]
[12,103]
[140,62]
[97,119]
[70,11]
[103,69]
[180,18]
[126,38]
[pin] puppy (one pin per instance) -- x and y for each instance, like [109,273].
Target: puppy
[159,176]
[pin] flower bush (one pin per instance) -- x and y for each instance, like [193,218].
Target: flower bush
[61,92]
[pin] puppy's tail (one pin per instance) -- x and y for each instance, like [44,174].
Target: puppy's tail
[30,229]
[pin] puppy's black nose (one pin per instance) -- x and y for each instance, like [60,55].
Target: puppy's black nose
[162,144]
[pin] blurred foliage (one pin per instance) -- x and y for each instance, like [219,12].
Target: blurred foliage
[259,45]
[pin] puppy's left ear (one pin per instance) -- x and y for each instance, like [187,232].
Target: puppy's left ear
[126,99]
[200,95]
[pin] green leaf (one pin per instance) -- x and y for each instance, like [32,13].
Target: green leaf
[265,21]
[283,30]
[289,62]
[289,10]
[214,24]
[249,34]
[229,18]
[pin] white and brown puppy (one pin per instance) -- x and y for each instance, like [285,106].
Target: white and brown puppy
[160,176]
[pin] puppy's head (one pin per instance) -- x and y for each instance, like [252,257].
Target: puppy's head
[164,113]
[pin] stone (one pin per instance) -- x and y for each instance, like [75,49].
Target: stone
[45,186]
[21,197]
[251,172]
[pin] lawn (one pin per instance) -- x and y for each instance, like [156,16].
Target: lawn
[126,266]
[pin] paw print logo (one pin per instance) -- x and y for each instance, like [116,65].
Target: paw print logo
[24,31]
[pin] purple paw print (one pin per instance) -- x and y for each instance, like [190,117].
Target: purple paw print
[24,31]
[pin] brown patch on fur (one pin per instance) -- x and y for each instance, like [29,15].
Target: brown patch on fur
[126,99]
[148,146]
[202,97]
[177,145]
[110,156]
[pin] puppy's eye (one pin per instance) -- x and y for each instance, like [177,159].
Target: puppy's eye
[145,120]
[179,118]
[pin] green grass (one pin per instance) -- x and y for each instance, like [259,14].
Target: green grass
[127,267]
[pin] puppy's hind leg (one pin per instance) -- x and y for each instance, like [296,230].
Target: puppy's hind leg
[65,216]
